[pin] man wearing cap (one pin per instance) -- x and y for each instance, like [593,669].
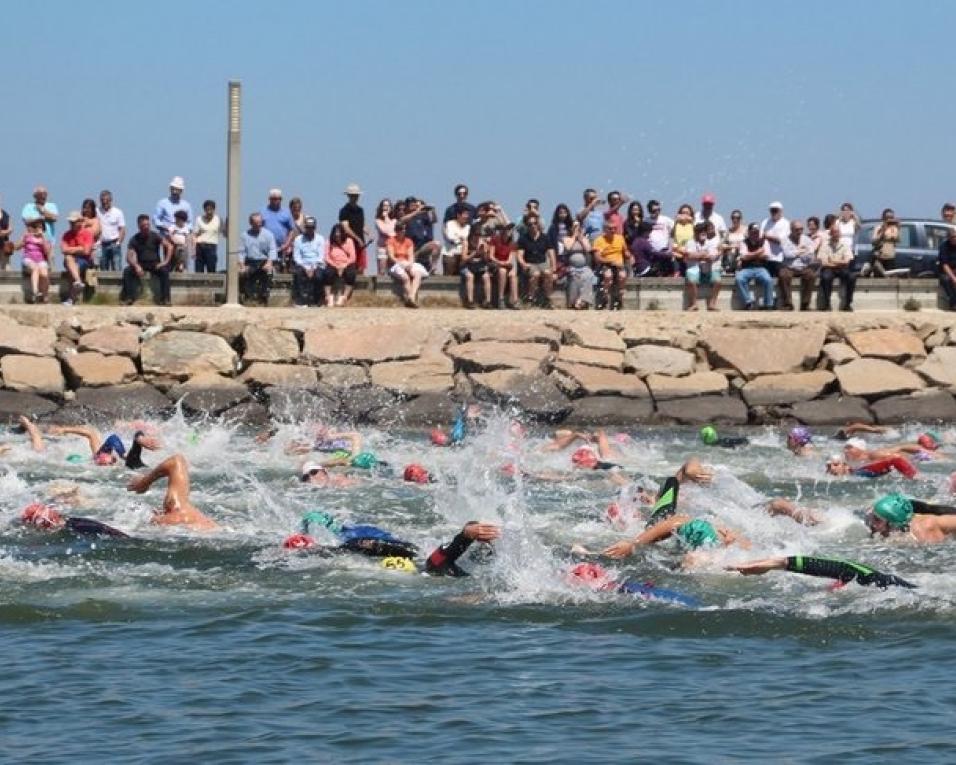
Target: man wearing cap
[257,257]
[774,230]
[77,247]
[279,223]
[352,218]
[165,215]
[41,209]
[707,214]
[308,255]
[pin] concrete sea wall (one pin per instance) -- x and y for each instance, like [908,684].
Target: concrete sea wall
[411,368]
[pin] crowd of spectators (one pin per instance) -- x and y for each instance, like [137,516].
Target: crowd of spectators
[590,254]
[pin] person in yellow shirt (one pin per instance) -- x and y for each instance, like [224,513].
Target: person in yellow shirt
[610,253]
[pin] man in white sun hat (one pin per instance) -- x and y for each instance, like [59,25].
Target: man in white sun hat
[166,208]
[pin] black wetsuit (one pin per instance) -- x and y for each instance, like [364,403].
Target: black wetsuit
[92,528]
[134,457]
[605,465]
[666,504]
[443,560]
[926,508]
[844,571]
[731,442]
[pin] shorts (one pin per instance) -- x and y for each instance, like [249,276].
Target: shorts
[539,268]
[415,269]
[476,268]
[694,276]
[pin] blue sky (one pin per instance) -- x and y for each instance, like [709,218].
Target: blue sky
[810,102]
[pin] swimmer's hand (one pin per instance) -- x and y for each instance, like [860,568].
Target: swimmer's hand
[622,549]
[148,442]
[700,474]
[481,532]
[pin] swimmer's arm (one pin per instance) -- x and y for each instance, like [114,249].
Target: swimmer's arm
[693,470]
[604,446]
[564,438]
[36,440]
[758,567]
[656,533]
[862,427]
[92,435]
[442,559]
[781,506]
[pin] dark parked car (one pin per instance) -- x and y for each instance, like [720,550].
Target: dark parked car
[918,248]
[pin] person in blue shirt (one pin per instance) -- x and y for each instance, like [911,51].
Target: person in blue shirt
[308,256]
[41,209]
[165,215]
[258,254]
[278,221]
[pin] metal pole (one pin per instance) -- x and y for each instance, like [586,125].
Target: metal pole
[233,178]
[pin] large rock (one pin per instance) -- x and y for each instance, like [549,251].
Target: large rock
[426,375]
[536,395]
[342,375]
[250,414]
[181,355]
[368,404]
[229,330]
[94,370]
[704,409]
[600,411]
[597,381]
[770,390]
[489,355]
[658,359]
[874,378]
[263,374]
[889,344]
[115,340]
[833,410]
[32,374]
[640,333]
[321,404]
[598,338]
[30,341]
[764,350]
[577,354]
[209,393]
[269,345]
[373,343]
[925,407]
[666,388]
[15,403]
[133,401]
[428,411]
[839,353]
[516,333]
[940,367]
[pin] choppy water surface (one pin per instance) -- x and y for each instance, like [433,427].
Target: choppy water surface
[225,648]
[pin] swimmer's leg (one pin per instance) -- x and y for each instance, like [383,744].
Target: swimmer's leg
[604,446]
[91,434]
[36,439]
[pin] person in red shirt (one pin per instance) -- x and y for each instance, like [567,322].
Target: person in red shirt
[503,265]
[77,246]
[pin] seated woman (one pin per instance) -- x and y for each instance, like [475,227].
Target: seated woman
[402,265]
[37,252]
[340,268]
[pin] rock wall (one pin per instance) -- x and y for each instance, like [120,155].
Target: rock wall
[393,367]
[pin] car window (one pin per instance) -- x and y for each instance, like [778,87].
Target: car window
[908,236]
[935,234]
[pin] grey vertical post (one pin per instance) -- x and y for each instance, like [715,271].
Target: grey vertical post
[233,178]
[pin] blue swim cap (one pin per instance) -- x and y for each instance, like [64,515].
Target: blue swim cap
[698,533]
[319,518]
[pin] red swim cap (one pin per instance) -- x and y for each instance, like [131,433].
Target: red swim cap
[415,473]
[439,437]
[591,574]
[42,516]
[298,542]
[927,442]
[509,468]
[584,457]
[103,458]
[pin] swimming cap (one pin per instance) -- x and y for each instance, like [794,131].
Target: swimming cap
[708,434]
[298,542]
[800,435]
[614,515]
[364,460]
[395,563]
[928,440]
[591,574]
[42,516]
[584,457]
[698,533]
[510,469]
[856,443]
[439,437]
[103,459]
[320,518]
[895,509]
[415,473]
[73,459]
[311,468]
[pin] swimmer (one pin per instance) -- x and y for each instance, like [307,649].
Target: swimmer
[564,438]
[415,473]
[895,513]
[710,437]
[585,457]
[838,466]
[664,503]
[467,416]
[49,519]
[317,474]
[694,533]
[395,554]
[856,451]
[799,441]
[109,450]
[595,576]
[340,446]
[177,508]
[841,570]
[853,428]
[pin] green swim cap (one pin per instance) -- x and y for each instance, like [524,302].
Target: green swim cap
[73,459]
[340,454]
[194,437]
[708,434]
[364,460]
[319,518]
[895,509]
[698,533]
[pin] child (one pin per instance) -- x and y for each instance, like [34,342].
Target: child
[36,257]
[180,236]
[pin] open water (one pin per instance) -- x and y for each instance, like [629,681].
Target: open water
[178,647]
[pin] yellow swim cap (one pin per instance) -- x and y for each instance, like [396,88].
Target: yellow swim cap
[395,563]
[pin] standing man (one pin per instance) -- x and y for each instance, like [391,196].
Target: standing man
[774,231]
[280,224]
[308,254]
[798,259]
[590,218]
[947,268]
[146,253]
[41,209]
[461,203]
[352,218]
[258,255]
[836,261]
[113,232]
[707,214]
[165,215]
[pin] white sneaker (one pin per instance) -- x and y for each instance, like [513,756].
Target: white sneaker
[67,302]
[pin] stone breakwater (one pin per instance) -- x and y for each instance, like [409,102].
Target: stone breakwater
[400,368]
